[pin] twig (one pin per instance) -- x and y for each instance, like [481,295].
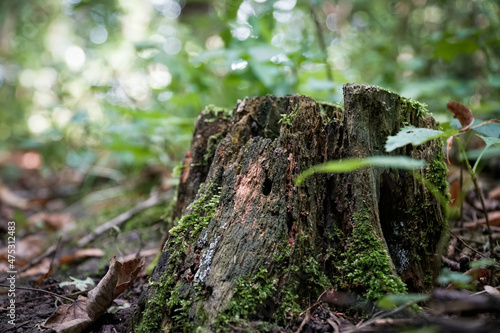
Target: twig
[38,259]
[335,324]
[483,205]
[305,321]
[314,305]
[17,326]
[322,43]
[467,245]
[383,315]
[39,290]
[155,199]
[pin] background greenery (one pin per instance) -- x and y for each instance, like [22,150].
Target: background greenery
[119,82]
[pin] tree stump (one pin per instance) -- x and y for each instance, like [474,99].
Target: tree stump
[253,247]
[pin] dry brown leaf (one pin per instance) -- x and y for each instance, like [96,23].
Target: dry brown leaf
[27,248]
[492,291]
[493,217]
[50,221]
[145,253]
[454,193]
[463,114]
[101,297]
[12,199]
[41,268]
[128,273]
[79,315]
[494,194]
[81,254]
[46,275]
[69,317]
[474,273]
[477,273]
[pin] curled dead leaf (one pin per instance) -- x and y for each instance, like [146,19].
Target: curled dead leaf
[81,254]
[84,311]
[462,112]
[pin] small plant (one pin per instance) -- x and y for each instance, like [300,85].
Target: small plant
[287,118]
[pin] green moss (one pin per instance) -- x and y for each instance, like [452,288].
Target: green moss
[202,210]
[421,108]
[436,174]
[165,295]
[366,264]
[216,111]
[287,117]
[212,143]
[249,294]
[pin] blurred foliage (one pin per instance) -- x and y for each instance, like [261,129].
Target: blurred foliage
[119,82]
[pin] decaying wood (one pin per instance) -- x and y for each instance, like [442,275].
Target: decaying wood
[253,245]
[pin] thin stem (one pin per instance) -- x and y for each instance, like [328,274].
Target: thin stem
[322,43]
[476,185]
[460,194]
[39,290]
[468,246]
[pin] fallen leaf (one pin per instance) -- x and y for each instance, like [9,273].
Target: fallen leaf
[145,253]
[454,193]
[50,221]
[462,112]
[81,254]
[11,199]
[474,273]
[69,317]
[128,273]
[41,268]
[27,249]
[493,217]
[492,291]
[84,311]
[494,194]
[45,276]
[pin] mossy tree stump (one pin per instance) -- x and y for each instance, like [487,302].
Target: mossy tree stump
[252,246]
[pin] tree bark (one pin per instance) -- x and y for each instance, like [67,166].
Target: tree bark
[253,247]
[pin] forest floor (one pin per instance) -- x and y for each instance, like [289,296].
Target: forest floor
[61,254]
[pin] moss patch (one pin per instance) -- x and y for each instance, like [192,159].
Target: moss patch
[216,111]
[287,117]
[366,264]
[165,296]
[250,293]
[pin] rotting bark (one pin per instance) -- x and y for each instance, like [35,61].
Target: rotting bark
[253,246]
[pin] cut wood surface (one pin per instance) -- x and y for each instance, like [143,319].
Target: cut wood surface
[253,246]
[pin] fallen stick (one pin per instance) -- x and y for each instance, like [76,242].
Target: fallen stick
[155,199]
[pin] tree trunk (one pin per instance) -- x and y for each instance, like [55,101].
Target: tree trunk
[254,248]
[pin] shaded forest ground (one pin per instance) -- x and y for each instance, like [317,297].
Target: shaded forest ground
[50,249]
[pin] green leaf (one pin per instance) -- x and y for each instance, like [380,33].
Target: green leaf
[489,142]
[413,135]
[492,130]
[483,263]
[460,279]
[393,300]
[352,164]
[79,284]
